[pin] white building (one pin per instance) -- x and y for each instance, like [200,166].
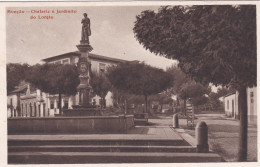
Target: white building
[231,105]
[13,101]
[26,101]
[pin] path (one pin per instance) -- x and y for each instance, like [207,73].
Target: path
[223,134]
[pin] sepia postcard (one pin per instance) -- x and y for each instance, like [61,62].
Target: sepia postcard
[129,83]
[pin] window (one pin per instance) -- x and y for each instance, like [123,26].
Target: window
[26,110]
[35,109]
[57,62]
[227,104]
[252,97]
[102,67]
[39,110]
[251,94]
[65,61]
[22,110]
[66,104]
[52,104]
[30,109]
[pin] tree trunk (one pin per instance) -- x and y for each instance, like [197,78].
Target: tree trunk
[18,105]
[145,98]
[59,104]
[242,102]
[184,105]
[101,102]
[125,105]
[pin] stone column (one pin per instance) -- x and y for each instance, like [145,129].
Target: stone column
[84,69]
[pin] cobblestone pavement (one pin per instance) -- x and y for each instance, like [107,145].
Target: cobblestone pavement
[223,134]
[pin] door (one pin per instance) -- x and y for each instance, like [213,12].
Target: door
[44,109]
[233,108]
[39,110]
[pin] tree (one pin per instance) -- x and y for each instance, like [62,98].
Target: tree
[207,41]
[193,90]
[162,98]
[139,79]
[121,99]
[201,100]
[185,87]
[100,85]
[15,74]
[179,78]
[55,79]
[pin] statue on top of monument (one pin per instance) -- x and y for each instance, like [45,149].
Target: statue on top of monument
[86,32]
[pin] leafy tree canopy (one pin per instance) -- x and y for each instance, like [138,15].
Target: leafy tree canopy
[179,78]
[55,78]
[184,87]
[192,90]
[214,44]
[15,74]
[139,79]
[197,101]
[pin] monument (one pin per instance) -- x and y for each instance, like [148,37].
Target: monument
[83,64]
[84,108]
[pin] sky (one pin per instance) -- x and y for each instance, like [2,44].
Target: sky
[30,40]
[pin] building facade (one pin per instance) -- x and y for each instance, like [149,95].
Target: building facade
[231,105]
[252,104]
[13,100]
[27,101]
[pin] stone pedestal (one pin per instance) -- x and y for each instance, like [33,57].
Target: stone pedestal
[84,71]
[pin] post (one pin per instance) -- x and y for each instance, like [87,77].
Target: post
[201,134]
[175,121]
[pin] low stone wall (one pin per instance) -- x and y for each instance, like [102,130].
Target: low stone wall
[70,125]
